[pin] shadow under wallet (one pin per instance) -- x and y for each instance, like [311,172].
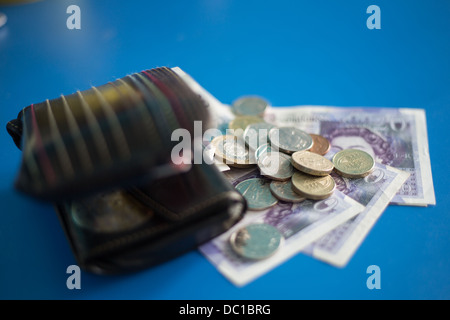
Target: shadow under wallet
[103,158]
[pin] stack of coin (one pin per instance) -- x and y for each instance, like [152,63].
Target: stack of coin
[312,180]
[311,170]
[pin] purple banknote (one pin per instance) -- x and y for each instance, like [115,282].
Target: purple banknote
[394,137]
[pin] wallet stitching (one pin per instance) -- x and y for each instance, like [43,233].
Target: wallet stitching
[145,232]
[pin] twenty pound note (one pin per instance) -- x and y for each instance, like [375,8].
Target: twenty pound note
[394,137]
[300,223]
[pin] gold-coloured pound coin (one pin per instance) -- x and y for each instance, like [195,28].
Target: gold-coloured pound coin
[311,187]
[353,163]
[321,145]
[311,163]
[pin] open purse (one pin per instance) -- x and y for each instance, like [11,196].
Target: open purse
[104,158]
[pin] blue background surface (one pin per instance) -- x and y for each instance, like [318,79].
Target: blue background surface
[291,52]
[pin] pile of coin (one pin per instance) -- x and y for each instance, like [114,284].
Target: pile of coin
[290,160]
[291,163]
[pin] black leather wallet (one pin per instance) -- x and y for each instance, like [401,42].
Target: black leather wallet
[134,228]
[103,157]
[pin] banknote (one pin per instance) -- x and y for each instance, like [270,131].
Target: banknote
[300,223]
[394,137]
[374,192]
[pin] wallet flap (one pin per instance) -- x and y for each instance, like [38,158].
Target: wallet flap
[109,136]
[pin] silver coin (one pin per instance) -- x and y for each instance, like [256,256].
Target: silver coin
[276,165]
[257,193]
[257,134]
[283,191]
[290,139]
[256,241]
[250,106]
